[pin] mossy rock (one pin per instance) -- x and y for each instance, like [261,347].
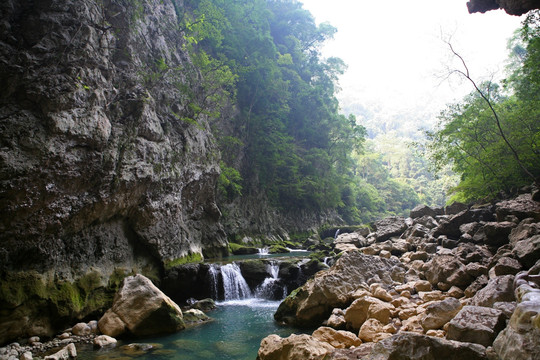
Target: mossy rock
[238,249]
[187,259]
[254,271]
[278,249]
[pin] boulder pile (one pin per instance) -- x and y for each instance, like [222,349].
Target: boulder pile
[455,283]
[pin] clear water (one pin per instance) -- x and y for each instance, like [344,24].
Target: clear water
[292,253]
[235,333]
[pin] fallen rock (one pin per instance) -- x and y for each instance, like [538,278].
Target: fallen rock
[528,251]
[439,313]
[422,210]
[522,207]
[407,345]
[389,227]
[141,309]
[313,302]
[339,339]
[447,269]
[104,341]
[69,352]
[294,347]
[520,340]
[476,324]
[494,233]
[81,329]
[498,289]
[372,330]
[365,308]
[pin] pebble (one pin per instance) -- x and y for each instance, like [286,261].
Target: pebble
[15,351]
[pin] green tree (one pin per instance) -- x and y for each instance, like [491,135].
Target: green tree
[491,140]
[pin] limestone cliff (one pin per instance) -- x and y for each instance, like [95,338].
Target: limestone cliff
[100,167]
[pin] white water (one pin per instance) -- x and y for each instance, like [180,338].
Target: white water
[213,274]
[234,285]
[263,251]
[266,289]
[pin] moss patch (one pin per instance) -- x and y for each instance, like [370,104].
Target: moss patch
[189,258]
[16,288]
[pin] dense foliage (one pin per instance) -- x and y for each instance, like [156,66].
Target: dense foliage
[292,141]
[492,137]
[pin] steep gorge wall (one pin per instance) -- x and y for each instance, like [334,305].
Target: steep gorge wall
[98,171]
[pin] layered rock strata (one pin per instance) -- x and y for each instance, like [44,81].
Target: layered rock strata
[100,176]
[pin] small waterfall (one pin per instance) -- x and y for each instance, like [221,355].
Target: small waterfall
[234,285]
[263,251]
[270,287]
[337,233]
[213,272]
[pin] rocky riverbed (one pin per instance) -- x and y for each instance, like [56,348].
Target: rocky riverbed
[456,284]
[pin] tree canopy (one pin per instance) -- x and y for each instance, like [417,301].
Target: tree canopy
[492,137]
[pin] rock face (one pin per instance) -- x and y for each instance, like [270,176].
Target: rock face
[141,309]
[512,7]
[97,168]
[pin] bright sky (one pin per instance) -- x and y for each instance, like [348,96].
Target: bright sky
[395,52]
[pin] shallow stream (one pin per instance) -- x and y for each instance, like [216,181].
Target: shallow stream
[235,333]
[238,324]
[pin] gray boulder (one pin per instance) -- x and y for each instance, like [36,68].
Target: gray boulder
[408,345]
[499,289]
[476,324]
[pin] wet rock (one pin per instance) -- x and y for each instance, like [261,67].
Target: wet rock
[294,347]
[476,324]
[81,329]
[194,316]
[69,352]
[204,305]
[104,341]
[141,309]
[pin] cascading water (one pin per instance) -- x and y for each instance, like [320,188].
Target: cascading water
[213,272]
[263,251]
[234,285]
[268,288]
